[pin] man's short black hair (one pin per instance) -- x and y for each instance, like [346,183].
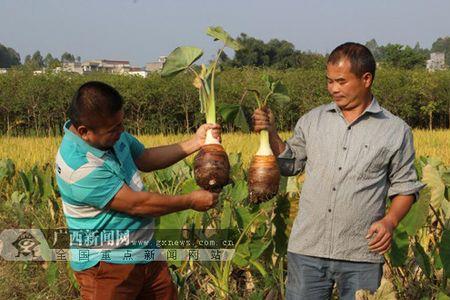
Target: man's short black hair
[94,100]
[360,57]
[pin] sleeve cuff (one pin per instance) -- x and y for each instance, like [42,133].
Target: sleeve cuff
[288,164]
[406,188]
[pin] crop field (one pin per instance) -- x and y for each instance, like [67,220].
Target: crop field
[416,266]
[30,151]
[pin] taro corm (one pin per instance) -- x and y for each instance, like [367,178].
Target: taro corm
[263,175]
[211,165]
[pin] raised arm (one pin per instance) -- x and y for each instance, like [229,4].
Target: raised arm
[156,158]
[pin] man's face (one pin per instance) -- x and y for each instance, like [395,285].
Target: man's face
[347,89]
[105,132]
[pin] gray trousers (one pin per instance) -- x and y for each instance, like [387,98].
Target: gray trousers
[312,278]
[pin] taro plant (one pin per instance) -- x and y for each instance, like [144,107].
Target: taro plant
[263,174]
[211,164]
[419,260]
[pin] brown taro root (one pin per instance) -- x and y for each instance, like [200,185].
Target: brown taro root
[263,178]
[212,168]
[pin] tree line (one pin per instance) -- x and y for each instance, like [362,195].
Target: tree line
[277,54]
[37,104]
[10,58]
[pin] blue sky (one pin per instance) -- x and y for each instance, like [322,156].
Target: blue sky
[140,31]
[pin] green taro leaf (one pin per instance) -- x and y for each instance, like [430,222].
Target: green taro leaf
[442,296]
[239,192]
[219,34]
[417,215]
[257,248]
[437,261]
[268,80]
[444,251]
[189,186]
[244,216]
[241,255]
[278,88]
[7,169]
[233,113]
[225,220]
[180,59]
[432,178]
[280,98]
[52,273]
[399,250]
[422,259]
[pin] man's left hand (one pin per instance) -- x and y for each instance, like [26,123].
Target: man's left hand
[200,135]
[380,235]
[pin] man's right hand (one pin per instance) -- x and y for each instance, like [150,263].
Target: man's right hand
[203,200]
[263,119]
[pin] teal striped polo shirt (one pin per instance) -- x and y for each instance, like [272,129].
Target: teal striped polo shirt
[88,178]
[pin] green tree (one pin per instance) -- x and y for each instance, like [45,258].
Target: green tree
[35,61]
[401,56]
[374,48]
[38,59]
[278,54]
[51,62]
[8,57]
[67,57]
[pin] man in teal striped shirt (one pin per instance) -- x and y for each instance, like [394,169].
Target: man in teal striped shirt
[97,169]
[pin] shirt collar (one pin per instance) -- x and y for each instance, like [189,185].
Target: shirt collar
[68,134]
[374,107]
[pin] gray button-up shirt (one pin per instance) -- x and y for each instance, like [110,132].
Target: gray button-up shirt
[351,168]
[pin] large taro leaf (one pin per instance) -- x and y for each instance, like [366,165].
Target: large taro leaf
[444,251]
[417,215]
[422,259]
[280,98]
[442,296]
[239,192]
[432,178]
[7,169]
[278,89]
[257,247]
[233,113]
[399,249]
[225,220]
[219,34]
[180,59]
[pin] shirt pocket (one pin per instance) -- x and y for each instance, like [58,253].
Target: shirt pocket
[373,160]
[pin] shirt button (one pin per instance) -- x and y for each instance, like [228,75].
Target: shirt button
[348,128]
[340,168]
[345,148]
[334,189]
[329,210]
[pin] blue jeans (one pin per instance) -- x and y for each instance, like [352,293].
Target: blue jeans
[312,278]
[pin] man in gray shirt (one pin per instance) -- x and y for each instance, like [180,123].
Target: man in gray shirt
[355,154]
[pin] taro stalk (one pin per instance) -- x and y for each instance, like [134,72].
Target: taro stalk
[211,165]
[263,174]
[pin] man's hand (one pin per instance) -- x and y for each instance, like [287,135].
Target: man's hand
[380,235]
[200,135]
[203,200]
[263,119]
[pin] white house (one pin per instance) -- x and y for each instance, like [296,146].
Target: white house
[106,65]
[436,61]
[157,65]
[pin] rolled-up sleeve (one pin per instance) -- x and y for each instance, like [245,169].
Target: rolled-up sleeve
[402,173]
[292,160]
